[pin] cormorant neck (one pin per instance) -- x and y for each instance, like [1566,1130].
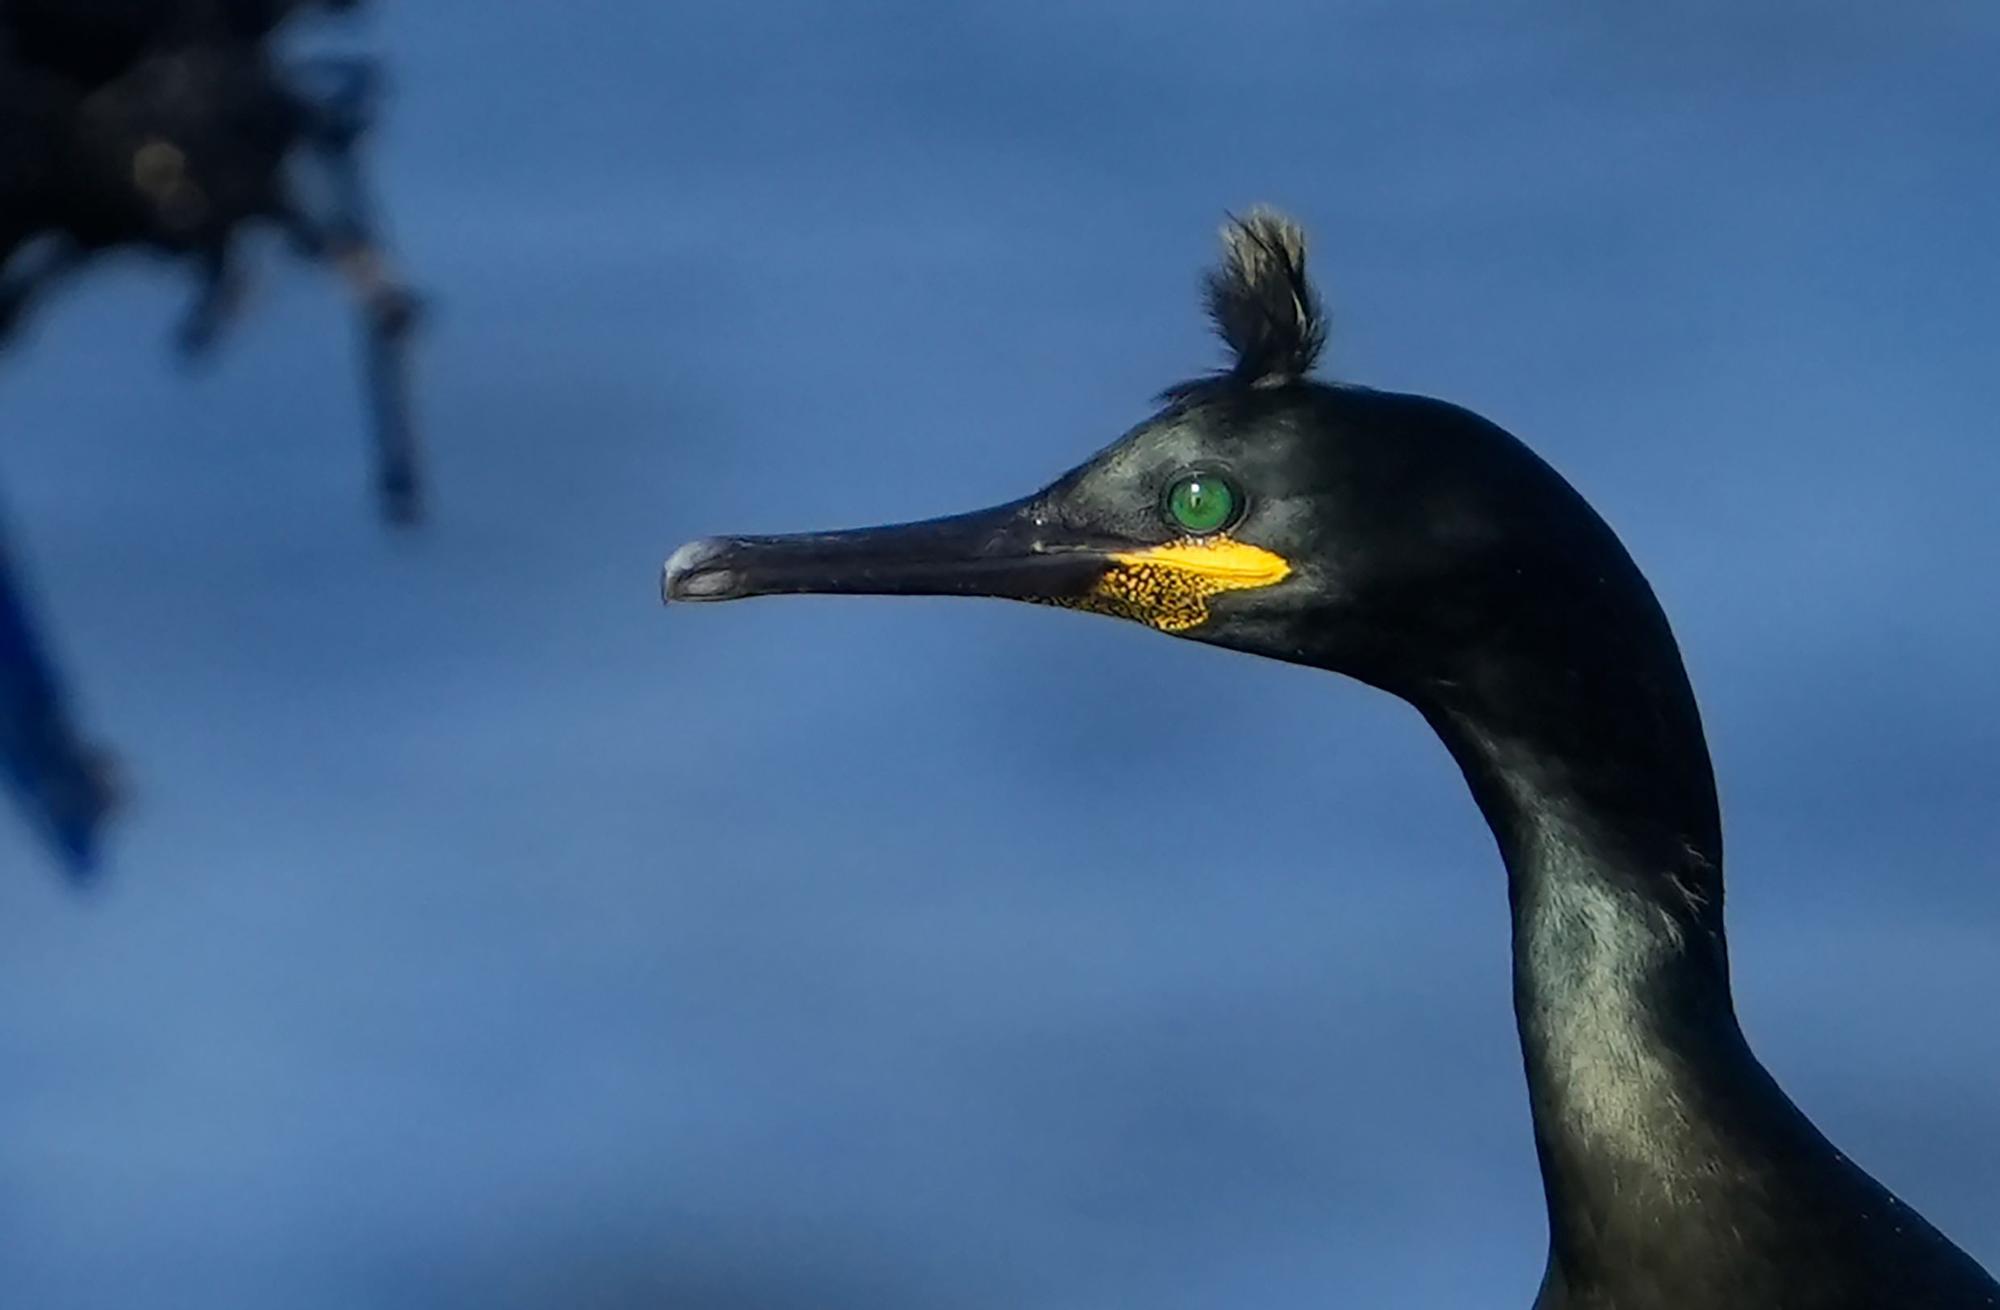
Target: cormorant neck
[1585,752]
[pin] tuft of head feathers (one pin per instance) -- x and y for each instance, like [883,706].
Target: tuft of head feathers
[1262,305]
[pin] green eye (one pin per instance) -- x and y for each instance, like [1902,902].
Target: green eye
[1201,503]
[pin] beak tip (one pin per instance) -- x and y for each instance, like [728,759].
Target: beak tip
[692,572]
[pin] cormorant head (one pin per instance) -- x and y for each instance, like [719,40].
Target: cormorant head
[1381,535]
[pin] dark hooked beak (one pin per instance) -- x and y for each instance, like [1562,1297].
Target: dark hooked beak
[1001,552]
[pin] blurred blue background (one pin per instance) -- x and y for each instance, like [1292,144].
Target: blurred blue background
[485,936]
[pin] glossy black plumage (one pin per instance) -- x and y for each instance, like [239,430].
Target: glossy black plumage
[1418,547]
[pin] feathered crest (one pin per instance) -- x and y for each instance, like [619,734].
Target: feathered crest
[1262,304]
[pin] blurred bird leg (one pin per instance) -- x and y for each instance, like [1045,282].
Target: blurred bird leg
[218,302]
[346,239]
[65,785]
[389,311]
[387,299]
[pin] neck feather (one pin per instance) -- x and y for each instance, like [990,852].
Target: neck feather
[1676,1171]
[1590,765]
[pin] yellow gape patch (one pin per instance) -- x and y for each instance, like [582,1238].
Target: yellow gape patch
[1168,587]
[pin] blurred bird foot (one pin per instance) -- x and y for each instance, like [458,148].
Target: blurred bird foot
[402,502]
[92,793]
[196,337]
[395,310]
[201,328]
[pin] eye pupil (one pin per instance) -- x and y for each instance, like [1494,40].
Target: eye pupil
[1201,503]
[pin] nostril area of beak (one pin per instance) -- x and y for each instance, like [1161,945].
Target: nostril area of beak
[695,572]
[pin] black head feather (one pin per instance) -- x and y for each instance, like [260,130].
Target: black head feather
[1262,304]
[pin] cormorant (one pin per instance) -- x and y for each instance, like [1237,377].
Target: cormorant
[168,127]
[1416,546]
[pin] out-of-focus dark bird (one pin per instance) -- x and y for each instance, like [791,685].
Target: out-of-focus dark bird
[167,126]
[63,784]
[182,135]
[1419,548]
